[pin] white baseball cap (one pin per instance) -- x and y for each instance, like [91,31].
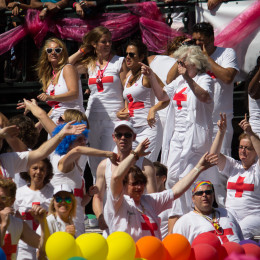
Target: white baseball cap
[62,187]
[124,123]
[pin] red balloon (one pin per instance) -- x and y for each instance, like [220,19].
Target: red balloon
[203,252]
[222,253]
[177,247]
[207,238]
[233,247]
[252,249]
[150,248]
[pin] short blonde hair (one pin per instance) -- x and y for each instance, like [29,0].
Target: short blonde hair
[193,55]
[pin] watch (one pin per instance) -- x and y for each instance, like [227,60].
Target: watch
[135,155]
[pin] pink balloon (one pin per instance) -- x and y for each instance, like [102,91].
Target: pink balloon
[207,238]
[252,249]
[203,252]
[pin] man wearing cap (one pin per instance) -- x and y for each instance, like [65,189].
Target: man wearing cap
[206,218]
[123,136]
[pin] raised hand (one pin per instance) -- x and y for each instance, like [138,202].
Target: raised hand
[222,123]
[207,161]
[182,70]
[244,124]
[5,215]
[38,213]
[113,157]
[70,129]
[140,149]
[146,70]
[27,105]
[9,131]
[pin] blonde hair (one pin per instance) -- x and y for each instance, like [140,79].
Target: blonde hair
[88,39]
[44,68]
[73,114]
[52,210]
[193,55]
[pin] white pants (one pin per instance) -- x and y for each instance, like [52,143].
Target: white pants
[26,253]
[154,135]
[100,137]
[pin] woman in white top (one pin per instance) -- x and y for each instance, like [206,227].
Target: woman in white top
[105,72]
[60,81]
[140,100]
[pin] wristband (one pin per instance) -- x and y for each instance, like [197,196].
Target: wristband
[18,3]
[136,156]
[196,169]
[82,51]
[74,5]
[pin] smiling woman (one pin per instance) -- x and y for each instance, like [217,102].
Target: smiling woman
[61,84]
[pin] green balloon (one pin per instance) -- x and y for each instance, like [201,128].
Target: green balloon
[77,258]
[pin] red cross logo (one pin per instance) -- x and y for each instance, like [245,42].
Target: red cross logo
[223,237]
[240,186]
[179,97]
[79,192]
[148,225]
[8,248]
[28,216]
[54,104]
[211,74]
[100,87]
[133,105]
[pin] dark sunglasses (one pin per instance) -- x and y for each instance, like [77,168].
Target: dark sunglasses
[126,135]
[136,183]
[59,199]
[61,120]
[201,192]
[131,54]
[57,50]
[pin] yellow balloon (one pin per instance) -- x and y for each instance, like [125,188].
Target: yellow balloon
[61,245]
[120,246]
[93,246]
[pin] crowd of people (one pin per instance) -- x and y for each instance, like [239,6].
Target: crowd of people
[196,187]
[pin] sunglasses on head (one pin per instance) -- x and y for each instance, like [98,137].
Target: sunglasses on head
[201,192]
[131,54]
[59,199]
[57,50]
[126,135]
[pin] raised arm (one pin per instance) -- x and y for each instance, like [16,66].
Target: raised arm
[173,73]
[217,143]
[66,163]
[39,113]
[155,84]
[49,146]
[149,172]
[206,161]
[120,172]
[244,124]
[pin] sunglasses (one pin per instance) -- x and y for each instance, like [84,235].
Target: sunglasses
[126,135]
[59,199]
[201,192]
[241,147]
[136,183]
[57,50]
[131,54]
[61,120]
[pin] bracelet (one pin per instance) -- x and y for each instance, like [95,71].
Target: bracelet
[18,3]
[45,9]
[196,169]
[136,156]
[82,51]
[74,4]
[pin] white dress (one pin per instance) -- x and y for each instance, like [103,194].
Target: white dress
[243,195]
[192,224]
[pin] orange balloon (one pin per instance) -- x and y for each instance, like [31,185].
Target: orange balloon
[177,246]
[150,248]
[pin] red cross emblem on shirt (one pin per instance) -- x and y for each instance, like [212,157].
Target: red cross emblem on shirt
[240,186]
[133,105]
[147,225]
[28,216]
[8,248]
[79,192]
[54,104]
[99,81]
[223,237]
[211,74]
[179,97]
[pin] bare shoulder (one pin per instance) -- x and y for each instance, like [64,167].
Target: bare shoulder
[101,169]
[151,58]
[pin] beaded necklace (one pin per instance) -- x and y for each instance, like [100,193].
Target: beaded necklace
[214,221]
[101,72]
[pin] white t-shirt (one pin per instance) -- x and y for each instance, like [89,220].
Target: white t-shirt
[122,214]
[12,236]
[192,224]
[254,113]
[243,188]
[12,163]
[223,93]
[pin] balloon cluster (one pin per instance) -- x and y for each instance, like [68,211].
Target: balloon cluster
[121,246]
